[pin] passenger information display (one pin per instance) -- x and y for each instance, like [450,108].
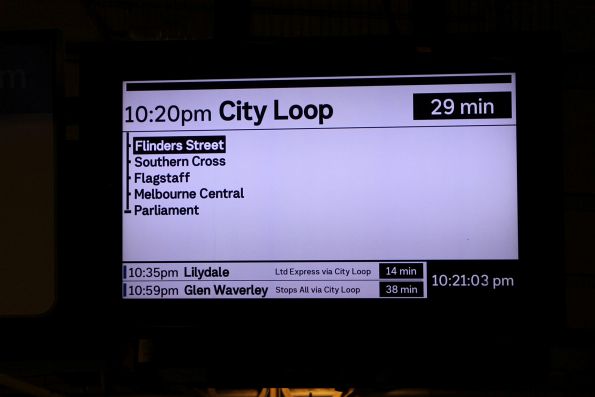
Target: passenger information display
[343,187]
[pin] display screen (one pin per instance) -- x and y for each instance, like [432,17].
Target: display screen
[324,188]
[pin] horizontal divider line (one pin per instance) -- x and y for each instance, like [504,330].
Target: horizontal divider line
[296,261]
[329,128]
[376,280]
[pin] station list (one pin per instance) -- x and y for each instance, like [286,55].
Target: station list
[147,188]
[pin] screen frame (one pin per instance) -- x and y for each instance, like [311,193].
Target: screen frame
[538,312]
[150,91]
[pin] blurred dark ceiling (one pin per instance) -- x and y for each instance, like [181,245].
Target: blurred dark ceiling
[94,20]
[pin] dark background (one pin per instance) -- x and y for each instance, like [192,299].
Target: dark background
[65,356]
